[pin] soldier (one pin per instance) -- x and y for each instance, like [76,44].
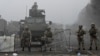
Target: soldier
[93,37]
[26,39]
[48,35]
[80,35]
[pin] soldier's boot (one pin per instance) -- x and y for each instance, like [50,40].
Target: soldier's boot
[90,48]
[91,43]
[96,45]
[79,45]
[22,48]
[96,48]
[83,48]
[29,49]
[50,49]
[78,48]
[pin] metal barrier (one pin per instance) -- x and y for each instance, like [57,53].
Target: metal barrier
[6,43]
[60,40]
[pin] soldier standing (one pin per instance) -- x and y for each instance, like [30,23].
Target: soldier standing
[26,39]
[93,37]
[49,39]
[80,35]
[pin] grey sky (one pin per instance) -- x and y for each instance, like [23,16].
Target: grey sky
[59,11]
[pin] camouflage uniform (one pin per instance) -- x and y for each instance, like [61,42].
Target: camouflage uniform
[26,39]
[93,37]
[80,35]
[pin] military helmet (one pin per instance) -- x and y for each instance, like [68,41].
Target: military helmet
[92,25]
[80,26]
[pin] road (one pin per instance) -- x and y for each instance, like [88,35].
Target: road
[73,53]
[62,45]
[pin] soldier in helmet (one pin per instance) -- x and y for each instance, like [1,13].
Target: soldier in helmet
[48,35]
[93,37]
[80,35]
[26,39]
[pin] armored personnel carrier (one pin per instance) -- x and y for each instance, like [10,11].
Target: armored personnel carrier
[36,24]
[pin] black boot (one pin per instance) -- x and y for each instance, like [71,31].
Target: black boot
[50,49]
[22,48]
[96,48]
[83,48]
[90,48]
[29,49]
[78,48]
